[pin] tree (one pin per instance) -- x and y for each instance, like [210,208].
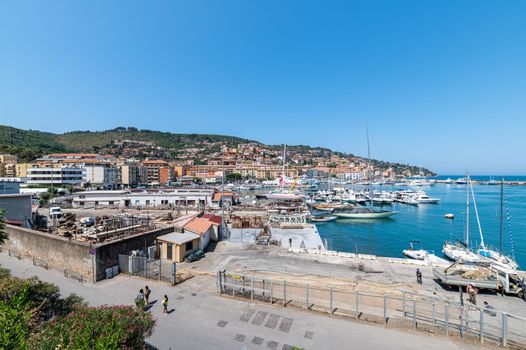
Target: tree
[232,177]
[3,234]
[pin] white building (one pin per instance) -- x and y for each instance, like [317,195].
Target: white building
[55,176]
[105,176]
[179,197]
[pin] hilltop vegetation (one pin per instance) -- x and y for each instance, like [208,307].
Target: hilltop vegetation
[89,141]
[30,144]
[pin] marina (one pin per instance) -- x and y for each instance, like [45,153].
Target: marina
[430,225]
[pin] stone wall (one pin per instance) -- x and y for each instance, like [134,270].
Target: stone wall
[60,253]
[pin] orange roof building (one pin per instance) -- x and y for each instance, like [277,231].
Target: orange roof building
[203,228]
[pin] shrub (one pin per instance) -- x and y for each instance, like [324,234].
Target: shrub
[104,327]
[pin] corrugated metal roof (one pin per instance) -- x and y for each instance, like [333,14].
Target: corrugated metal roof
[178,238]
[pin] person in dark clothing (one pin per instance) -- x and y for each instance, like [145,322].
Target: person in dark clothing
[418,276]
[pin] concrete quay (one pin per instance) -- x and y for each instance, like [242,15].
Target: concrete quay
[203,320]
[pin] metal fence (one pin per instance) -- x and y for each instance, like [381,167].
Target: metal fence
[157,269]
[404,309]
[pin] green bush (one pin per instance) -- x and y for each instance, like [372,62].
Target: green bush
[15,321]
[105,327]
[33,315]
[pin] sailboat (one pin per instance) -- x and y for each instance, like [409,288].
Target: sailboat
[364,213]
[282,194]
[497,257]
[459,251]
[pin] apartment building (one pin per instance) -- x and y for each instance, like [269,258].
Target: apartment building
[55,176]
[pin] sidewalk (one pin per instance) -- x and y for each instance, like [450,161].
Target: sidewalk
[203,320]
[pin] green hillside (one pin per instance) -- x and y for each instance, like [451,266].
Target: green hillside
[28,144]
[31,144]
[89,141]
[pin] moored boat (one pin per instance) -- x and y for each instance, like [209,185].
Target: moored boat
[363,213]
[323,218]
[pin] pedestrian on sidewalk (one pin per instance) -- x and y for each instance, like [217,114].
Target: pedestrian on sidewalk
[165,304]
[139,299]
[147,293]
[418,276]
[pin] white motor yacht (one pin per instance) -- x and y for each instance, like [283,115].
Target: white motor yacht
[425,199]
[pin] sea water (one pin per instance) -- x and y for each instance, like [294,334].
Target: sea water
[426,222]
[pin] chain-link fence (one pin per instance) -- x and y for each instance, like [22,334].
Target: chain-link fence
[401,309]
[157,269]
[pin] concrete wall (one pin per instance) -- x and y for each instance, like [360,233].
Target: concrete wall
[108,253]
[59,252]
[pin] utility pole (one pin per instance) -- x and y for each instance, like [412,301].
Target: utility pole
[223,230]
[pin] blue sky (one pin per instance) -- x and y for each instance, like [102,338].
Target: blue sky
[441,84]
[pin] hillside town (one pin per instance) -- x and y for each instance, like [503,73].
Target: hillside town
[250,161]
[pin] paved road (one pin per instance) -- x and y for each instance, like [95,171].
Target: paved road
[203,320]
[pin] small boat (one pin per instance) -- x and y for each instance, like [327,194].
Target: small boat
[461,181]
[449,216]
[363,213]
[415,251]
[331,207]
[323,218]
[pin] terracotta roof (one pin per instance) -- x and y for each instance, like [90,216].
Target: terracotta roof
[91,155]
[154,161]
[217,196]
[215,219]
[198,225]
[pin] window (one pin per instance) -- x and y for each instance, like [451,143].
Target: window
[189,245]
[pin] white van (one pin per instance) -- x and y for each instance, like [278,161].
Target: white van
[55,212]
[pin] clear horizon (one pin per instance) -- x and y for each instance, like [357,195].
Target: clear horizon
[441,84]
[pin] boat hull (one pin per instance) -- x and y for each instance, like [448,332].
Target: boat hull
[378,215]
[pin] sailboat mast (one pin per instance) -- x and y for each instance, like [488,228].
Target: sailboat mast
[467,210]
[284,175]
[368,154]
[477,215]
[501,213]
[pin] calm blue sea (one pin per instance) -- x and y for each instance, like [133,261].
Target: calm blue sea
[388,237]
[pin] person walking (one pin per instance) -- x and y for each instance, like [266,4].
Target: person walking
[147,293]
[418,276]
[165,305]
